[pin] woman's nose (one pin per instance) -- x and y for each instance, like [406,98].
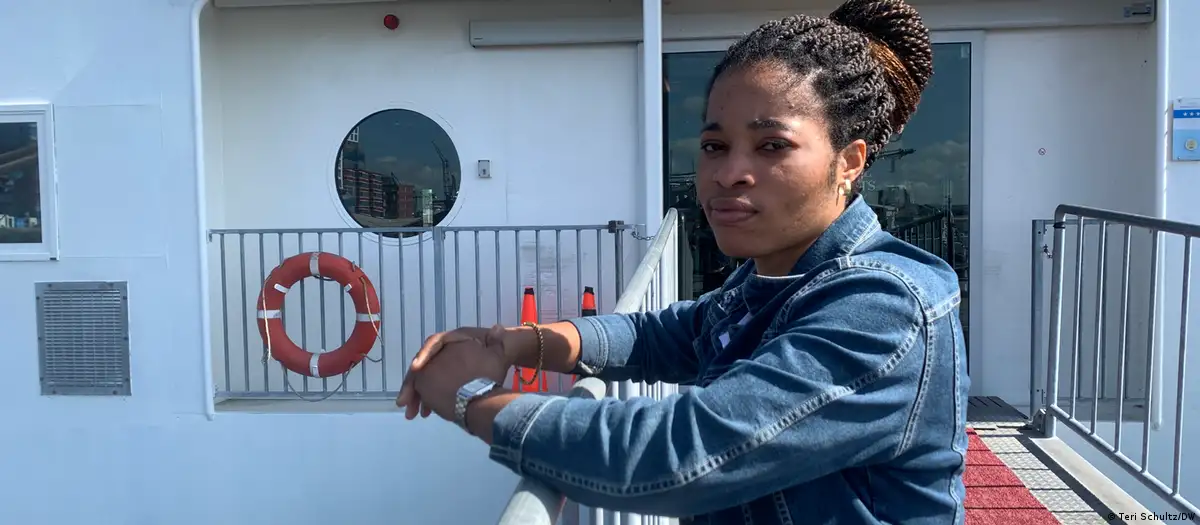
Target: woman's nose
[736,171]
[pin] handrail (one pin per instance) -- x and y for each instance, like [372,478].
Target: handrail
[420,229]
[534,502]
[1132,219]
[629,301]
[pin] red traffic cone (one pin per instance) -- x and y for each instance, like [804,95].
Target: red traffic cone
[588,308]
[523,376]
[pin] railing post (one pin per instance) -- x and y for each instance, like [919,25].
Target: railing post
[623,389]
[439,279]
[617,228]
[1055,347]
[1035,318]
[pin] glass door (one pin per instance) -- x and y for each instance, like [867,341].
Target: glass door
[919,185]
[702,265]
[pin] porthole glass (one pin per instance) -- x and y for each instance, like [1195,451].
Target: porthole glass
[397,169]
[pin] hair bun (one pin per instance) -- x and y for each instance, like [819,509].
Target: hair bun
[899,27]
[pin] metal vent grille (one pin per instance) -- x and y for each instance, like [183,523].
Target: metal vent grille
[83,338]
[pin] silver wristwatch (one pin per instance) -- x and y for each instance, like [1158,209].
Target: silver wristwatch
[473,389]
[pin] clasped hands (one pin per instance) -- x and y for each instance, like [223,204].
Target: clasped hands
[446,362]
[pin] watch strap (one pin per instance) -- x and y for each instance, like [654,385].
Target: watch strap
[469,392]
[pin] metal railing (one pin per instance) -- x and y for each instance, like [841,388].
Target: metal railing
[1161,299]
[653,286]
[1099,390]
[428,279]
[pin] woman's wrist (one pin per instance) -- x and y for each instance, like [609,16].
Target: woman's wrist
[519,343]
[481,413]
[555,349]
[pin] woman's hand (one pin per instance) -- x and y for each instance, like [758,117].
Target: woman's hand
[456,365]
[409,399]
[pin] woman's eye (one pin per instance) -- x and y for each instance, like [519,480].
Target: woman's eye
[710,147]
[775,145]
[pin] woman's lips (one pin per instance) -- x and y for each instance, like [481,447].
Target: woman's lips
[728,212]
[729,217]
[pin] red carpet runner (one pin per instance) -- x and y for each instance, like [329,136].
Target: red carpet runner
[994,494]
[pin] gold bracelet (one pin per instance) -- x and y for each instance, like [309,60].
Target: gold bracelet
[541,353]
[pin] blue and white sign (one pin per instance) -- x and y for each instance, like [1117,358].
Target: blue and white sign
[1185,130]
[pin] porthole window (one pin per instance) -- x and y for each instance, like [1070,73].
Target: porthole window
[397,169]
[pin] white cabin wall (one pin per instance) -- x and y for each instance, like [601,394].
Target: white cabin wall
[557,123]
[293,81]
[119,79]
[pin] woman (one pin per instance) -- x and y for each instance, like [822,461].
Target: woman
[829,372]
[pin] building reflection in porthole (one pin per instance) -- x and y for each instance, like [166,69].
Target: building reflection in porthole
[397,168]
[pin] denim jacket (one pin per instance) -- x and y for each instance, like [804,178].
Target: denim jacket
[836,394]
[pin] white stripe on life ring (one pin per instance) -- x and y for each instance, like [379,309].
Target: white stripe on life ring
[270,314]
[281,288]
[314,365]
[366,318]
[348,288]
[314,264]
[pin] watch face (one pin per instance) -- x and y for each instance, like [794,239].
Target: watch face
[476,387]
[480,386]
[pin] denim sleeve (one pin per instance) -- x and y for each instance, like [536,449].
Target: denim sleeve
[642,346]
[834,390]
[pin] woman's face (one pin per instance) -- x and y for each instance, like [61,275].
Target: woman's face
[768,177]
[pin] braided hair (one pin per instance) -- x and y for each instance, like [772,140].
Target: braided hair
[867,64]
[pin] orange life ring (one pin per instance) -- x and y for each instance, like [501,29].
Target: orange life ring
[323,266]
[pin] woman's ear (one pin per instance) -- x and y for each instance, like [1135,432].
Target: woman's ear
[852,161]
